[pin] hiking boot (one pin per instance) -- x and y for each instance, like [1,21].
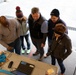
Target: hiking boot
[36,53]
[41,58]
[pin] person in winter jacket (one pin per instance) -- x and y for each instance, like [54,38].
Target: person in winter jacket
[60,47]
[54,19]
[24,29]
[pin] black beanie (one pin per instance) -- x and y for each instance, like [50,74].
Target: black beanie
[55,12]
[19,13]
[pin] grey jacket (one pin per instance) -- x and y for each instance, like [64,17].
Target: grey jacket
[9,35]
[23,27]
[61,48]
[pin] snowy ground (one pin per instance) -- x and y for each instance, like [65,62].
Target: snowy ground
[66,7]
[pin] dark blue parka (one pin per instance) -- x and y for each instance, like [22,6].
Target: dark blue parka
[51,25]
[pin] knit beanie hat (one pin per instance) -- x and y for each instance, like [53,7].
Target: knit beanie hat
[19,13]
[55,12]
[60,28]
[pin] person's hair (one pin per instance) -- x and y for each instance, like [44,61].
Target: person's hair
[4,21]
[34,10]
[60,28]
[2,18]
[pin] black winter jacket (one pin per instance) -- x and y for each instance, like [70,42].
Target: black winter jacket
[35,27]
[61,48]
[51,25]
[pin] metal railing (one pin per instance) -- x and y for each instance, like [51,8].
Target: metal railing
[71,28]
[3,1]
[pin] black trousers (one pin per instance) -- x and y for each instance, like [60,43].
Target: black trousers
[37,43]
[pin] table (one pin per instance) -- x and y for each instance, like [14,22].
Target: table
[40,67]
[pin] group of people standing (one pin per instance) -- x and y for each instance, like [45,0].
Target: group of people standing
[13,32]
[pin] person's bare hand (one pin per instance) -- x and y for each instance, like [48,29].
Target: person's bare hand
[42,45]
[9,48]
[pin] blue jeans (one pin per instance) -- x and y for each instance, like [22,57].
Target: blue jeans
[27,41]
[16,46]
[60,62]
